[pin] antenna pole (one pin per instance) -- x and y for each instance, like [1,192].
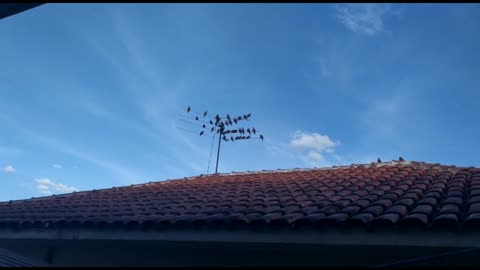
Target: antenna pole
[218,150]
[222,127]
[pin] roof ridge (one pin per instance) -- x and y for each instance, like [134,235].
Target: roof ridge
[333,167]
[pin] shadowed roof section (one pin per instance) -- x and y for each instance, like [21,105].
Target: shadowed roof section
[393,194]
[10,9]
[10,259]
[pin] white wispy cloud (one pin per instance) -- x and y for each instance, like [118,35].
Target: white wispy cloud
[314,141]
[9,169]
[9,151]
[363,18]
[47,187]
[57,166]
[315,156]
[383,115]
[310,148]
[147,87]
[124,173]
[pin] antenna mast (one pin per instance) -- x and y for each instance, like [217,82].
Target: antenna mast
[219,125]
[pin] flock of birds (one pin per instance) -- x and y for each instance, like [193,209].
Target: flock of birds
[399,159]
[243,134]
[220,125]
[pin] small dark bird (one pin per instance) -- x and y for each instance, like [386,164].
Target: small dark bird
[231,138]
[189,109]
[228,118]
[211,123]
[401,159]
[249,132]
[235,120]
[379,160]
[248,115]
[205,114]
[237,137]
[261,137]
[201,133]
[234,131]
[224,137]
[203,126]
[245,117]
[248,137]
[254,131]
[212,129]
[196,117]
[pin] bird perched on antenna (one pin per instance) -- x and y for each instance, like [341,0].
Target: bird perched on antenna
[189,109]
[249,132]
[261,137]
[201,133]
[254,131]
[205,114]
[401,159]
[196,117]
[379,160]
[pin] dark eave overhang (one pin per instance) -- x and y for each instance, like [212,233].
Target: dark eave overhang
[10,9]
[360,237]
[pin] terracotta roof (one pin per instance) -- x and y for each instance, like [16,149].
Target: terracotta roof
[395,194]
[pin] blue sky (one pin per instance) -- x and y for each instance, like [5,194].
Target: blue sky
[90,94]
